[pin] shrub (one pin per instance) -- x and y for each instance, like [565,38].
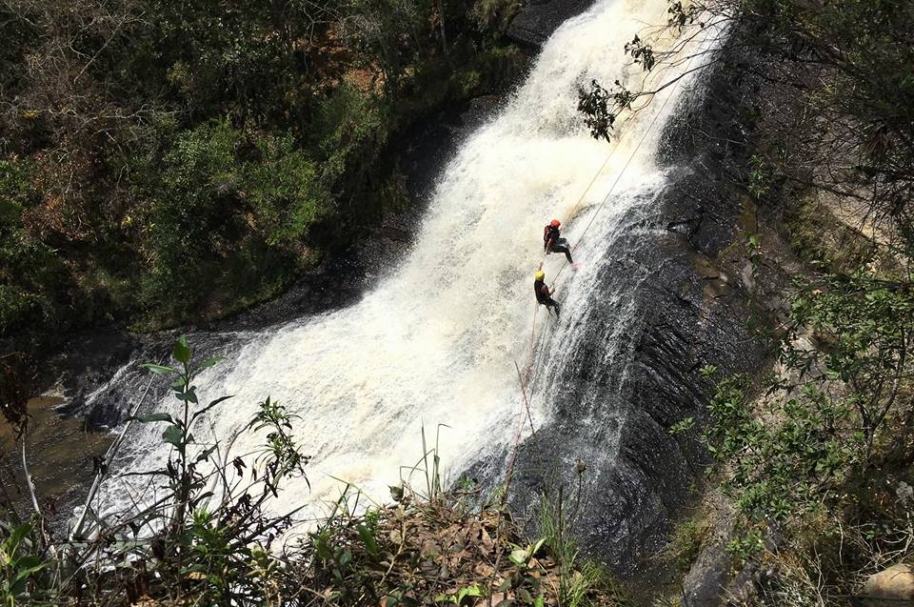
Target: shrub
[230,213]
[33,279]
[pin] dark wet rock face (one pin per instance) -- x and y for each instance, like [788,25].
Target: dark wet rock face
[537,19]
[615,415]
[616,418]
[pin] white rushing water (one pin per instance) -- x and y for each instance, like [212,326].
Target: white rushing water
[435,340]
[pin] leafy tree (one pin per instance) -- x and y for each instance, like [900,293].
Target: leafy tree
[118,126]
[232,204]
[32,277]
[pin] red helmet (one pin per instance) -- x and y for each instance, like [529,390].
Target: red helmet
[555,223]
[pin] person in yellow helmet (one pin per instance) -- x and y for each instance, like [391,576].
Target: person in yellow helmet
[543,292]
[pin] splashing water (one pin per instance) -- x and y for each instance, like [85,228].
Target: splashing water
[435,341]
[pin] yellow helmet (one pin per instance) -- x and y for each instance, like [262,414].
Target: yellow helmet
[539,275]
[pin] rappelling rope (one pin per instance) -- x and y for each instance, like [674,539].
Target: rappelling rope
[574,209]
[531,365]
[621,174]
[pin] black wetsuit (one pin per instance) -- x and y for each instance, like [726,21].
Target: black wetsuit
[554,243]
[544,297]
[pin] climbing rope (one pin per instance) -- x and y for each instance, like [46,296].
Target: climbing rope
[531,368]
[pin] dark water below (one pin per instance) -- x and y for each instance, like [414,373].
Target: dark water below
[60,454]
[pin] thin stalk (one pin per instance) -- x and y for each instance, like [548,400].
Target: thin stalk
[28,480]
[109,455]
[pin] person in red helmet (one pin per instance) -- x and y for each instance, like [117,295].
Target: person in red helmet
[553,241]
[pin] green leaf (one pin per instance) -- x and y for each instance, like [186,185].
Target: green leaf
[159,369]
[209,362]
[30,561]
[367,536]
[181,351]
[151,417]
[471,591]
[518,557]
[25,574]
[209,406]
[204,455]
[190,395]
[173,435]
[18,533]
[17,587]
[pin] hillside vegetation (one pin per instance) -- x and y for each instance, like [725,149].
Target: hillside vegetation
[815,457]
[166,162]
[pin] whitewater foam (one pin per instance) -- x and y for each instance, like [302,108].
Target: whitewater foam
[435,342]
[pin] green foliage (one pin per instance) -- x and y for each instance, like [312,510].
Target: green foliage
[31,274]
[823,241]
[219,538]
[683,425]
[524,582]
[17,307]
[866,326]
[240,60]
[760,177]
[685,544]
[580,587]
[680,16]
[281,452]
[422,554]
[800,452]
[746,546]
[642,53]
[601,107]
[20,563]
[239,204]
[467,592]
[351,131]
[579,581]
[521,557]
[494,14]
[553,523]
[208,155]
[859,142]
[790,462]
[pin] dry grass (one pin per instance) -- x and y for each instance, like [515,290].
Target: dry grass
[421,553]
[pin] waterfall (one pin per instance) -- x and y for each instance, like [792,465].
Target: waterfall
[434,340]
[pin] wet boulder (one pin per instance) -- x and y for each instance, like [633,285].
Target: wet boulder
[537,19]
